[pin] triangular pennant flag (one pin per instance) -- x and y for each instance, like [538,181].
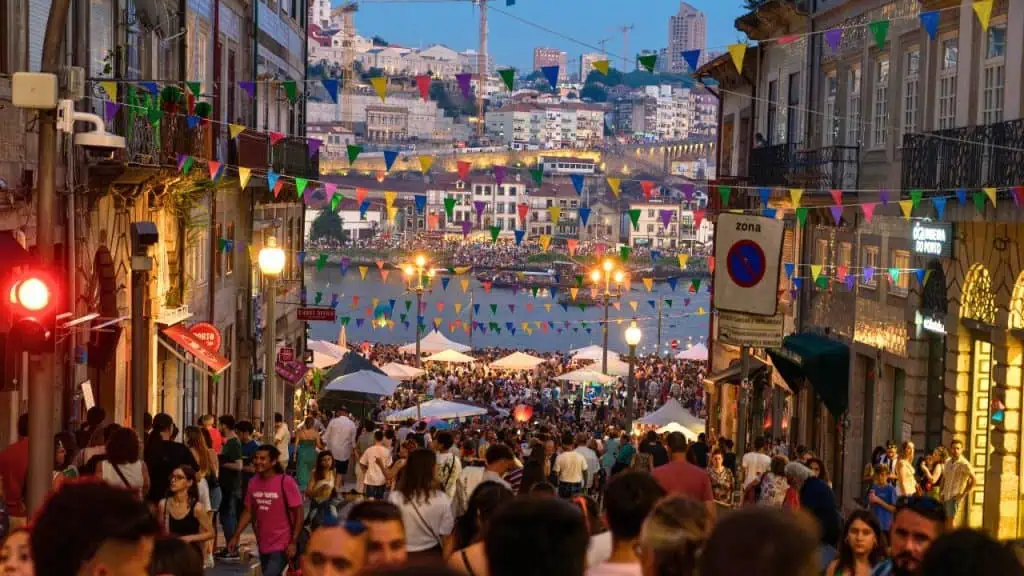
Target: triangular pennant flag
[765,194]
[445,280]
[837,214]
[833,37]
[392,212]
[584,215]
[320,262]
[353,152]
[691,57]
[869,273]
[463,80]
[822,282]
[920,273]
[894,274]
[150,87]
[789,267]
[961,196]
[665,216]
[364,206]
[110,87]
[110,110]
[624,253]
[300,186]
[463,168]
[647,61]
[389,198]
[545,241]
[421,202]
[494,309]
[798,283]
[361,194]
[649,284]
[983,8]
[276,137]
[653,303]
[523,209]
[519,238]
[313,146]
[648,188]
[508,76]
[673,281]
[380,86]
[214,169]
[479,206]
[837,196]
[555,212]
[235,130]
[551,73]
[495,231]
[243,176]
[906,206]
[930,23]
[425,163]
[331,86]
[815,271]
[724,192]
[614,184]
[449,207]
[795,194]
[537,174]
[737,52]
[573,292]
[991,193]
[601,66]
[915,196]
[194,87]
[683,259]
[291,90]
[572,244]
[184,163]
[979,200]
[248,87]
[879,31]
[801,216]
[192,121]
[940,206]
[698,218]
[577,183]
[272,179]
[499,174]
[1018,195]
[869,210]
[466,227]
[389,159]
[634,217]
[362,276]
[633,304]
[423,85]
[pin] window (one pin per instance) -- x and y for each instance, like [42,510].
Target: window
[196,256]
[500,208]
[853,107]
[945,109]
[773,111]
[199,59]
[230,260]
[650,228]
[901,262]
[869,259]
[845,255]
[911,68]
[821,254]
[501,190]
[792,114]
[218,262]
[880,118]
[993,75]
[650,213]
[830,130]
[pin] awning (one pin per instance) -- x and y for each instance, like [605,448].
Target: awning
[212,359]
[731,375]
[291,372]
[823,362]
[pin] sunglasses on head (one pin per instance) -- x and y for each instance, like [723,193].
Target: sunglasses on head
[353,527]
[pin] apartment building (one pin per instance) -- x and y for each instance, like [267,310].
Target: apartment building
[547,125]
[543,56]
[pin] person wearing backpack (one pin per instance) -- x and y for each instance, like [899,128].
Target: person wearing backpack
[273,504]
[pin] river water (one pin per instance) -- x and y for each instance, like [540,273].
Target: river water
[679,321]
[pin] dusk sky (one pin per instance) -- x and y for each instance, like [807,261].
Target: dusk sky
[570,24]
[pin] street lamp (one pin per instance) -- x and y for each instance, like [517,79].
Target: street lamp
[271,260]
[633,336]
[418,270]
[612,277]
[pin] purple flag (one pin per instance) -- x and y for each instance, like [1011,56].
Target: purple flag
[666,217]
[499,174]
[833,37]
[110,109]
[689,189]
[314,146]
[837,213]
[850,279]
[464,83]
[345,262]
[884,196]
[466,227]
[869,273]
[248,87]
[479,206]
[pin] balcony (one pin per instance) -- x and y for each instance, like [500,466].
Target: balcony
[250,150]
[291,157]
[149,143]
[968,157]
[824,168]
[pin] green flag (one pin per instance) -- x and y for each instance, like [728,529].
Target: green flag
[583,308]
[345,320]
[509,76]
[624,253]
[801,216]
[187,165]
[319,296]
[300,185]
[725,192]
[579,280]
[494,308]
[647,61]
[879,31]
[915,196]
[492,325]
[335,201]
[193,87]
[634,217]
[495,231]
[353,153]
[822,282]
[403,316]
[155,115]
[535,290]
[538,175]
[449,208]
[291,90]
[408,304]
[668,302]
[320,261]
[979,200]
[695,284]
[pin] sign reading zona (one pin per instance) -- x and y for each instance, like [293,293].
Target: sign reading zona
[749,251]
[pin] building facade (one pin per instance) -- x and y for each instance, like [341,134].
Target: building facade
[687,30]
[543,56]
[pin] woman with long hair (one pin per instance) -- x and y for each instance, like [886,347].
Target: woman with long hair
[672,537]
[174,557]
[470,557]
[123,467]
[16,554]
[773,484]
[63,456]
[200,444]
[181,512]
[906,482]
[307,446]
[163,455]
[721,478]
[426,510]
[861,548]
[325,480]
[533,468]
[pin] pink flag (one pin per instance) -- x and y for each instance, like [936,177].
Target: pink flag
[869,210]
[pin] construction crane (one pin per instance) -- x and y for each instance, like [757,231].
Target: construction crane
[347,12]
[625,46]
[602,42]
[481,68]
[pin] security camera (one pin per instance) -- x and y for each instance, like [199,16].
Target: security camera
[96,141]
[143,234]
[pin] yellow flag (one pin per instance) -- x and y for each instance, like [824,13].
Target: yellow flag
[547,307]
[380,85]
[617,304]
[555,212]
[633,304]
[683,259]
[795,194]
[362,272]
[375,301]
[738,51]
[991,193]
[392,212]
[243,176]
[649,284]
[458,307]
[537,323]
[815,271]
[906,206]
[110,87]
[984,11]
[701,311]
[425,163]
[235,130]
[601,66]
[389,198]
[614,184]
[462,269]
[545,241]
[574,291]
[525,325]
[465,285]
[437,323]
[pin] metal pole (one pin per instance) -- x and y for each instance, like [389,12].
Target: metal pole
[629,392]
[140,344]
[269,346]
[419,306]
[604,351]
[471,326]
[41,397]
[741,405]
[657,350]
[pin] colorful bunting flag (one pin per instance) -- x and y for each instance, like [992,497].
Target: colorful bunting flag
[737,52]
[380,86]
[614,184]
[508,76]
[879,31]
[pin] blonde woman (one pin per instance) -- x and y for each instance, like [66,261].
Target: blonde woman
[906,484]
[672,537]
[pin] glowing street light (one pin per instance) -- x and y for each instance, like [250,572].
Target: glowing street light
[271,260]
[633,336]
[610,275]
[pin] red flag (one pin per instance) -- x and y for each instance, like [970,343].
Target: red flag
[440,306]
[529,307]
[361,195]
[837,197]
[1018,195]
[276,137]
[277,187]
[423,83]
[523,209]
[572,244]
[487,286]
[380,264]
[711,264]
[648,187]
[355,300]
[464,169]
[433,222]
[698,217]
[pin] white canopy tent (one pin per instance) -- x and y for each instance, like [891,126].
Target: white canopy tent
[676,427]
[438,409]
[592,352]
[673,412]
[698,352]
[586,375]
[616,366]
[364,381]
[323,361]
[517,361]
[327,348]
[433,343]
[401,371]
[450,356]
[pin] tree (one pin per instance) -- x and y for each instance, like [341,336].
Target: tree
[594,93]
[572,96]
[327,225]
[378,41]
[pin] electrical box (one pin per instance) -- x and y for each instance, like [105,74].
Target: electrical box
[34,90]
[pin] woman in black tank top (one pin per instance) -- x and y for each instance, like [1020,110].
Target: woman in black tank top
[181,512]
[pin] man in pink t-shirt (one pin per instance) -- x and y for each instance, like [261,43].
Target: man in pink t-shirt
[681,477]
[274,502]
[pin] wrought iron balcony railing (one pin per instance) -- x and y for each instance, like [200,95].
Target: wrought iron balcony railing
[155,139]
[824,168]
[291,157]
[968,157]
[770,165]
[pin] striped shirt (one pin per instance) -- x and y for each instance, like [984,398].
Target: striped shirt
[955,476]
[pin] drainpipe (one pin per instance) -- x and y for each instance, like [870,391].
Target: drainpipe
[215,153]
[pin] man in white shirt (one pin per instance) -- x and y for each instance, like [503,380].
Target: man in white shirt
[374,461]
[340,438]
[282,438]
[755,464]
[593,464]
[571,468]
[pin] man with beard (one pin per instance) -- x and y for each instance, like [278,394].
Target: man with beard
[917,522]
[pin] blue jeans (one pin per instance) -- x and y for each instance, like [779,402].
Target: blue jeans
[273,563]
[375,492]
[229,510]
[570,489]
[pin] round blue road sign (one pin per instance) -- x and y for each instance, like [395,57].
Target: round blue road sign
[745,263]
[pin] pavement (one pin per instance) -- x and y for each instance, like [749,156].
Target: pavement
[237,568]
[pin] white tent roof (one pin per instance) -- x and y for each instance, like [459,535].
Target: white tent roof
[401,371]
[433,343]
[616,366]
[327,348]
[451,356]
[439,409]
[517,361]
[586,375]
[592,352]
[365,381]
[697,352]
[671,412]
[322,361]
[676,427]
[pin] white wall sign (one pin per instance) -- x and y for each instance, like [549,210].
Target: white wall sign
[748,257]
[932,238]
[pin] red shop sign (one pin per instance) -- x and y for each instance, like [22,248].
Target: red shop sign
[207,334]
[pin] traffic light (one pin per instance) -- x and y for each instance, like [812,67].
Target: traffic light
[32,303]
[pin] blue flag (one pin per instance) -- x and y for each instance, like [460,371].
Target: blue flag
[691,57]
[789,269]
[389,158]
[565,306]
[940,206]
[476,309]
[519,236]
[444,282]
[769,213]
[331,85]
[798,282]
[577,183]
[150,87]
[653,303]
[672,281]
[363,207]
[553,290]
[655,256]
[359,322]
[302,258]
[920,275]
[551,73]
[765,193]
[272,179]
[584,215]
[961,195]
[421,203]
[930,22]
[192,121]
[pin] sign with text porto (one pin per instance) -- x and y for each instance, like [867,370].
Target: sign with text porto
[315,314]
[208,334]
[748,257]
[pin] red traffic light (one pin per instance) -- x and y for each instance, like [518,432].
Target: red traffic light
[32,303]
[31,293]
